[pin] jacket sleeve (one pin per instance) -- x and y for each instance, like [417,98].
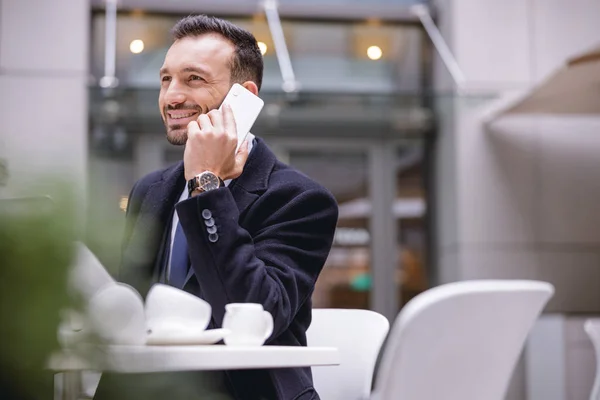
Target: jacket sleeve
[277,266]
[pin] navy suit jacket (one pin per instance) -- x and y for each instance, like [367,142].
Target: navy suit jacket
[275,229]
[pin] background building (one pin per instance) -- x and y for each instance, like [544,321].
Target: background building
[434,184]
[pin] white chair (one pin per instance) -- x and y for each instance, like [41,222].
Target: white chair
[358,334]
[459,341]
[592,328]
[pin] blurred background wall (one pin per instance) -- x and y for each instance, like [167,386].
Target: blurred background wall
[519,198]
[44,85]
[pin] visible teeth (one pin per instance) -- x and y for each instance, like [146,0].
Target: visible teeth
[180,116]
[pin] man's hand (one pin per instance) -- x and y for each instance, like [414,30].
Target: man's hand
[211,146]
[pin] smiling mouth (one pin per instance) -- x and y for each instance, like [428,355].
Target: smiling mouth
[179,116]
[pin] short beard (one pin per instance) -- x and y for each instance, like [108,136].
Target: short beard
[176,135]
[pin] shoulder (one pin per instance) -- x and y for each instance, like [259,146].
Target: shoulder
[140,188]
[284,176]
[288,185]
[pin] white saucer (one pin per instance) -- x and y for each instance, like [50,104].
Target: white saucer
[185,337]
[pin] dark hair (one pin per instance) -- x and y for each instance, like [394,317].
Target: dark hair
[247,63]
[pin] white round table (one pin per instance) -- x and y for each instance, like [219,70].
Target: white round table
[144,359]
[148,359]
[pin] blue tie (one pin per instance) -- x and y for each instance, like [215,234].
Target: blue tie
[180,260]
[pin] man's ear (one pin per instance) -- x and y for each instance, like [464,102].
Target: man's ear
[251,86]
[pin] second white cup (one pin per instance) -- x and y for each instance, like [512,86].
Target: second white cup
[249,323]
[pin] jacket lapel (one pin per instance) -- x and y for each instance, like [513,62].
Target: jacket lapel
[156,210]
[161,197]
[255,177]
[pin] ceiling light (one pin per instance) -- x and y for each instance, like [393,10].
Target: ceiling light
[263,48]
[374,52]
[136,46]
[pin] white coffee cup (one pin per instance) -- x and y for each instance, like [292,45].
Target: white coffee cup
[168,306]
[249,323]
[116,315]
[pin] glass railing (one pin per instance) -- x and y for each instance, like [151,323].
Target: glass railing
[316,73]
[116,118]
[404,111]
[137,110]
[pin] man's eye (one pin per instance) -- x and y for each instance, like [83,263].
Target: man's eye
[165,78]
[196,78]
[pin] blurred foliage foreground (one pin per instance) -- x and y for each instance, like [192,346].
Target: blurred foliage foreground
[35,256]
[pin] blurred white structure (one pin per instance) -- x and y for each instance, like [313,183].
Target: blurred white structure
[571,90]
[43,85]
[459,340]
[358,335]
[592,328]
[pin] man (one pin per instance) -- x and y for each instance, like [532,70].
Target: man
[255,230]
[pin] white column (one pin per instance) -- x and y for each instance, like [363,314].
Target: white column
[43,94]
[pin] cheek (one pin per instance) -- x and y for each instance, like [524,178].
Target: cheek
[202,97]
[161,103]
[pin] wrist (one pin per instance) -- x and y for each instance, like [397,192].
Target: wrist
[200,171]
[204,182]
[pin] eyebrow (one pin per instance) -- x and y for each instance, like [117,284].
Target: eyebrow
[198,70]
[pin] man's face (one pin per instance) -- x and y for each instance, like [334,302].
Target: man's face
[195,78]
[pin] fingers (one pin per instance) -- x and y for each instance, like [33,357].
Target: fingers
[216,119]
[229,121]
[205,123]
[193,128]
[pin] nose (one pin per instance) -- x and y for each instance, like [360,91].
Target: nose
[175,94]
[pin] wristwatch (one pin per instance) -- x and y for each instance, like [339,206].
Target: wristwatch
[204,182]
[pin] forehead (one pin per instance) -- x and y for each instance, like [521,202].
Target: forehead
[212,52]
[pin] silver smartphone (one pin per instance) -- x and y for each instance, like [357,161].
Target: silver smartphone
[246,107]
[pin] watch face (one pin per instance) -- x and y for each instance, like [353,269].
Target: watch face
[208,181]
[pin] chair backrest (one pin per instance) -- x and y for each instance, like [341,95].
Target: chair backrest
[592,328]
[459,341]
[358,334]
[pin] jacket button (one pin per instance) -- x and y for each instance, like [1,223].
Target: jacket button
[211,229]
[209,222]
[213,237]
[206,214]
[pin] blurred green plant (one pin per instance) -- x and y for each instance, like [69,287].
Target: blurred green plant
[36,250]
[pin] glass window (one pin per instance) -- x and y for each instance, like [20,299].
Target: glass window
[340,57]
[345,279]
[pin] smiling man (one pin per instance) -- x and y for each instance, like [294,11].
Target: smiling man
[226,226]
